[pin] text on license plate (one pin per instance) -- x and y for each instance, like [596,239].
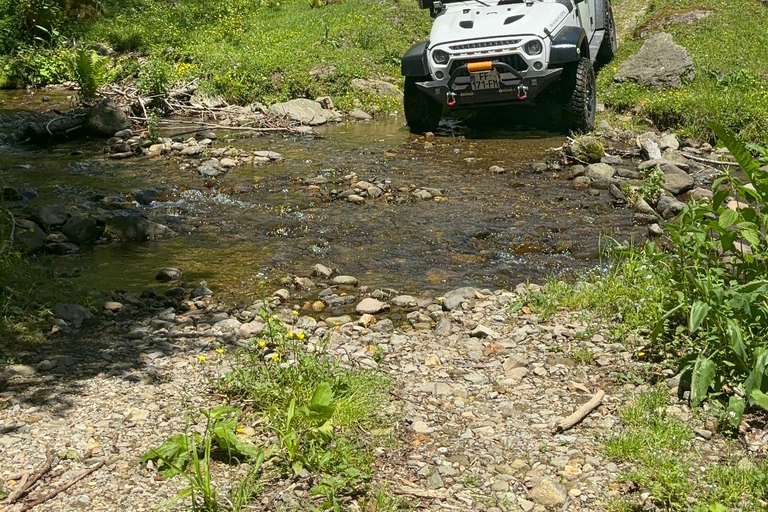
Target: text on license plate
[484,80]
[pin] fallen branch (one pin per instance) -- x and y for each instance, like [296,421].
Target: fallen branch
[581,413]
[224,127]
[408,489]
[31,504]
[26,485]
[708,161]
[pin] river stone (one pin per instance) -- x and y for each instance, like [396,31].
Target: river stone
[371,306]
[700,194]
[201,291]
[82,229]
[403,301]
[50,216]
[113,306]
[194,150]
[676,181]
[227,326]
[360,115]
[641,206]
[549,493]
[136,228]
[659,63]
[72,313]
[669,207]
[321,271]
[106,118]
[377,88]
[302,110]
[345,280]
[304,283]
[599,171]
[272,155]
[168,275]
[29,237]
[669,141]
[338,320]
[17,194]
[580,183]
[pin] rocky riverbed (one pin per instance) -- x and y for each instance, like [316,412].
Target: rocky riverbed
[478,391]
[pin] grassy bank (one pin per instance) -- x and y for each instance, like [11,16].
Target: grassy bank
[728,50]
[243,50]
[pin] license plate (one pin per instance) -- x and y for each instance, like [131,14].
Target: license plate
[483,80]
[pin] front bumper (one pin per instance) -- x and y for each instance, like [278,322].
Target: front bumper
[514,88]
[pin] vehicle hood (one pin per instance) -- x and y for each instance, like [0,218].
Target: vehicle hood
[462,21]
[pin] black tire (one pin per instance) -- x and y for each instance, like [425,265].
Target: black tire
[580,98]
[421,112]
[610,45]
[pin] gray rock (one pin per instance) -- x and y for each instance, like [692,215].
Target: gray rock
[82,229]
[250,329]
[580,183]
[72,313]
[371,306]
[147,196]
[659,63]
[599,171]
[617,194]
[360,115]
[676,181]
[482,331]
[443,327]
[29,237]
[669,141]
[106,118]
[169,275]
[549,493]
[345,280]
[700,194]
[227,326]
[641,206]
[654,230]
[377,88]
[137,229]
[321,271]
[669,207]
[194,150]
[201,291]
[302,110]
[338,320]
[50,216]
[403,301]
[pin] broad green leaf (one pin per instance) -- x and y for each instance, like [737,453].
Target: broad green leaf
[735,411]
[740,152]
[702,377]
[760,399]
[699,312]
[751,236]
[755,379]
[297,466]
[225,437]
[216,413]
[326,430]
[323,395]
[728,218]
[737,340]
[171,456]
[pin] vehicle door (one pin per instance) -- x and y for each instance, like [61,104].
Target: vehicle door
[586,15]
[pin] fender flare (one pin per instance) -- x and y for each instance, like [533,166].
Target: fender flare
[567,46]
[600,7]
[414,62]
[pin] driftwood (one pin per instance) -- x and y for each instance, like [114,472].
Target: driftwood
[709,161]
[58,126]
[27,483]
[32,504]
[581,413]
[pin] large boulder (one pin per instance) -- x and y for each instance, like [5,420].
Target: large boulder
[377,88]
[659,63]
[304,111]
[28,236]
[81,229]
[49,216]
[676,180]
[106,118]
[137,229]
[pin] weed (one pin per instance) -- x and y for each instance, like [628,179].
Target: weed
[90,71]
[583,355]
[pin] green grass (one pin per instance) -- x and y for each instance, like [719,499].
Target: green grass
[250,51]
[728,50]
[665,460]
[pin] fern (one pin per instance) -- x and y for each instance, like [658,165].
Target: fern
[90,71]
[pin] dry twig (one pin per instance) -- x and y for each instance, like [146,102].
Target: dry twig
[31,504]
[27,483]
[581,413]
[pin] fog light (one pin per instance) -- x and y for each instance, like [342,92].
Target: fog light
[533,47]
[537,66]
[439,75]
[441,57]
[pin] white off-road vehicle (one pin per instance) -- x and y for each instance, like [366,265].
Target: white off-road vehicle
[484,53]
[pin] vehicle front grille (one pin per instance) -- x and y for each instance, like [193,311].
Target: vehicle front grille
[514,60]
[486,44]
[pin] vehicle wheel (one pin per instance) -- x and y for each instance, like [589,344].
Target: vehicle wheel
[421,112]
[580,98]
[610,44]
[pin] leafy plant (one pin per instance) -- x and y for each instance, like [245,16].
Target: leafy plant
[90,71]
[155,77]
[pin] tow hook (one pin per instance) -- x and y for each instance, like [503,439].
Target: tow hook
[451,99]
[522,92]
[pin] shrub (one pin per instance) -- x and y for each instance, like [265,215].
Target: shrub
[155,77]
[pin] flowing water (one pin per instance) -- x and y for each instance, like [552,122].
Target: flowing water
[258,224]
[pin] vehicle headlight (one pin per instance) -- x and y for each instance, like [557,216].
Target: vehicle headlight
[441,57]
[533,47]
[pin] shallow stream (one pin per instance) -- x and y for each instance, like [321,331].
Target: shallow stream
[258,224]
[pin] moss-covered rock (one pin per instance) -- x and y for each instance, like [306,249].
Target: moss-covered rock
[587,148]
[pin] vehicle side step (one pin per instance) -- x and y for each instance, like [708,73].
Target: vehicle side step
[594,45]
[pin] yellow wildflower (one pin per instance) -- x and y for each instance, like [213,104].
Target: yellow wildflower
[201,358]
[290,334]
[239,429]
[220,351]
[295,313]
[300,335]
[262,343]
[640,354]
[275,357]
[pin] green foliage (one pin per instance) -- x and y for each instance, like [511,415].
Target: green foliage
[155,77]
[659,450]
[153,126]
[730,85]
[90,71]
[653,182]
